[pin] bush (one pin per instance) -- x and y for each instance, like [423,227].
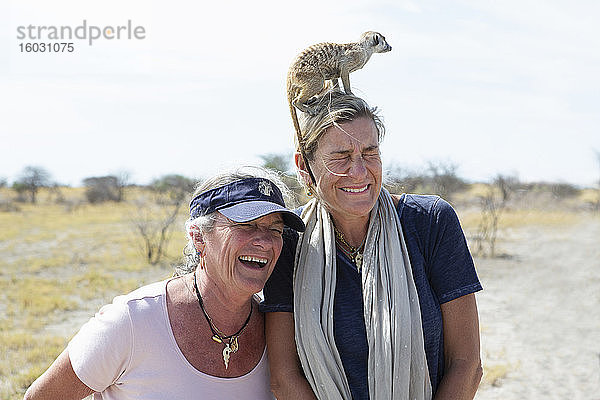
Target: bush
[175,187]
[563,190]
[103,188]
[438,178]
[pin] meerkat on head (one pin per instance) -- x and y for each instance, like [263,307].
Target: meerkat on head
[324,62]
[319,67]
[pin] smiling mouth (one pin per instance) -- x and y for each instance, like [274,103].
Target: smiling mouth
[356,190]
[254,262]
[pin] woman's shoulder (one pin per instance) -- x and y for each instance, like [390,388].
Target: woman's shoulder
[152,290]
[420,203]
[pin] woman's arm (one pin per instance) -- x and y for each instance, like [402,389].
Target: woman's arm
[59,382]
[463,369]
[287,378]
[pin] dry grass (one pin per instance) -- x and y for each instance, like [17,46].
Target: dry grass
[522,218]
[57,259]
[493,373]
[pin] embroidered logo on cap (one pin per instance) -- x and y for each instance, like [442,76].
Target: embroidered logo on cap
[265,188]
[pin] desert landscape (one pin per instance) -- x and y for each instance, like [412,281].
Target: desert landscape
[62,258]
[539,315]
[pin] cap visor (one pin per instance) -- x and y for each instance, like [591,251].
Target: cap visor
[251,210]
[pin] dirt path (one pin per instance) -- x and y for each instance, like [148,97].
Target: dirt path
[540,315]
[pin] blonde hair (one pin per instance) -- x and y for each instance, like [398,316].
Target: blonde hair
[333,108]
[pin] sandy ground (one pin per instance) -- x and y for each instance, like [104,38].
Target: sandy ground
[540,315]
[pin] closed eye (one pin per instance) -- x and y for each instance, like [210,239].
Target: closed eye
[277,231]
[371,155]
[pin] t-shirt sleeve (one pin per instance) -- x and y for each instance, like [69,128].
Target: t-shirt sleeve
[101,350]
[279,289]
[450,266]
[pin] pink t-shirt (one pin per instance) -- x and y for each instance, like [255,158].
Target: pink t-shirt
[127,351]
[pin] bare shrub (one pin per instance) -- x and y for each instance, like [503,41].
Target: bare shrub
[493,203]
[153,224]
[21,191]
[6,205]
[158,211]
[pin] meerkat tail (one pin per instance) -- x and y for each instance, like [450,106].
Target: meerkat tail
[299,137]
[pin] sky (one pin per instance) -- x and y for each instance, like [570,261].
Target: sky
[493,87]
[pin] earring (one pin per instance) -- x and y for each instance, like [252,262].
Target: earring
[200,258]
[308,193]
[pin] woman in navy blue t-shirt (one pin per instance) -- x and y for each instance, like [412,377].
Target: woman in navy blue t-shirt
[342,316]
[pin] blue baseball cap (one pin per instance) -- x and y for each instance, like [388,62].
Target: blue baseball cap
[245,200]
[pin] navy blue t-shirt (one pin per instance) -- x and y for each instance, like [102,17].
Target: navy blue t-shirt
[442,269]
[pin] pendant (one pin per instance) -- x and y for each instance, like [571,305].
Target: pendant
[358,260]
[234,344]
[226,352]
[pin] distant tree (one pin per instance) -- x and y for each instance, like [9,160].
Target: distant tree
[278,162]
[282,163]
[444,179]
[123,181]
[597,152]
[6,204]
[99,189]
[596,205]
[563,190]
[157,214]
[175,187]
[402,180]
[31,179]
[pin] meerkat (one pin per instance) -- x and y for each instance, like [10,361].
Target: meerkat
[327,62]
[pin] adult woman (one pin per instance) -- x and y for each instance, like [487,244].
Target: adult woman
[364,260]
[198,335]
